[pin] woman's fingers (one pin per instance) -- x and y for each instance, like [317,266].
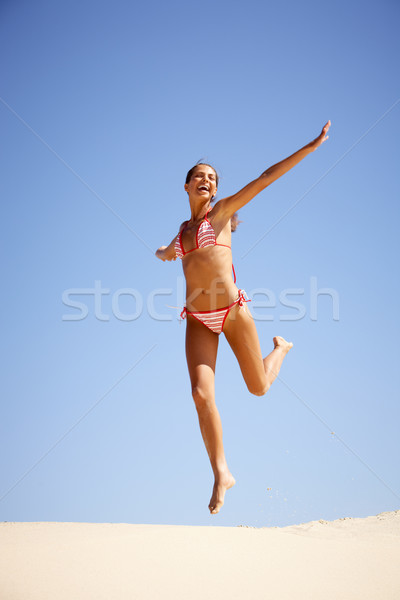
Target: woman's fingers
[323,137]
[326,127]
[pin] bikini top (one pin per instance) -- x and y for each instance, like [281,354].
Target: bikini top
[205,237]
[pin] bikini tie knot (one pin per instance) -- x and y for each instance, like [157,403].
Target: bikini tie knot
[183,313]
[243,298]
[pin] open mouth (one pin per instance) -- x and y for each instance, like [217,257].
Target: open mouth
[203,188]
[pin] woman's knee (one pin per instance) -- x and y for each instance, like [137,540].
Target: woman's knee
[202,396]
[260,389]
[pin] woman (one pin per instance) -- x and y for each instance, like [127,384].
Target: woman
[214,304]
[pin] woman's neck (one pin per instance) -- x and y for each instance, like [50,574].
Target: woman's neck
[198,212]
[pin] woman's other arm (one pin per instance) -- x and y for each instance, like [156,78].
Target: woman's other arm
[167,252]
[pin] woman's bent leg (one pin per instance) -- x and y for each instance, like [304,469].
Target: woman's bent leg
[241,333]
[201,354]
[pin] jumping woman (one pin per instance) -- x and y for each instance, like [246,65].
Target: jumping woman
[215,305]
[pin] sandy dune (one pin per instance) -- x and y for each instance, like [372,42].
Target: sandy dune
[346,559]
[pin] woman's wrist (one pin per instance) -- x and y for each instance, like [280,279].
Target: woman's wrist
[310,147]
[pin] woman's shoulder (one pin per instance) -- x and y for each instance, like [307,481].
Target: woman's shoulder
[217,216]
[183,225]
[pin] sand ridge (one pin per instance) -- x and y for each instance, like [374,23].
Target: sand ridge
[347,558]
[383,524]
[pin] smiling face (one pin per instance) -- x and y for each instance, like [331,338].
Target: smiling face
[203,182]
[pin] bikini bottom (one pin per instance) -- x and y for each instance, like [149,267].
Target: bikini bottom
[215,319]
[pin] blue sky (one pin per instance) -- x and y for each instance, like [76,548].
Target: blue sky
[104,107]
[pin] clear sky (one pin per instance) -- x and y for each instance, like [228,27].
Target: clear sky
[103,109]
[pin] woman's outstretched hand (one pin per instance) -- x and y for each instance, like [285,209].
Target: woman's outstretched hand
[321,138]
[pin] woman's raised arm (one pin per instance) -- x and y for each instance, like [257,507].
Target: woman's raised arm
[228,206]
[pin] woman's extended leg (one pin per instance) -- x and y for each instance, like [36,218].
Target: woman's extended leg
[258,372]
[201,354]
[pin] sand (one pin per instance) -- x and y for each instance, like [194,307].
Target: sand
[346,559]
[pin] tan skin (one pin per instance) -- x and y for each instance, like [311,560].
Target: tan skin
[209,286]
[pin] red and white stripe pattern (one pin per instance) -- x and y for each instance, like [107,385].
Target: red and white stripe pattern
[205,234]
[215,319]
[178,247]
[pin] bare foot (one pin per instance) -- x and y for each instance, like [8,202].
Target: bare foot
[280,342]
[220,486]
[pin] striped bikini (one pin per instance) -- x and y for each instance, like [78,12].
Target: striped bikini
[215,319]
[205,237]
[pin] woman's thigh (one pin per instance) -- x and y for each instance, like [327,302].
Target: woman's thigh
[241,333]
[201,355]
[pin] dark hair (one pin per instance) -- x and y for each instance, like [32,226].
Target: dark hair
[234,219]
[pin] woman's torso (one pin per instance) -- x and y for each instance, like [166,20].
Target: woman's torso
[207,270]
